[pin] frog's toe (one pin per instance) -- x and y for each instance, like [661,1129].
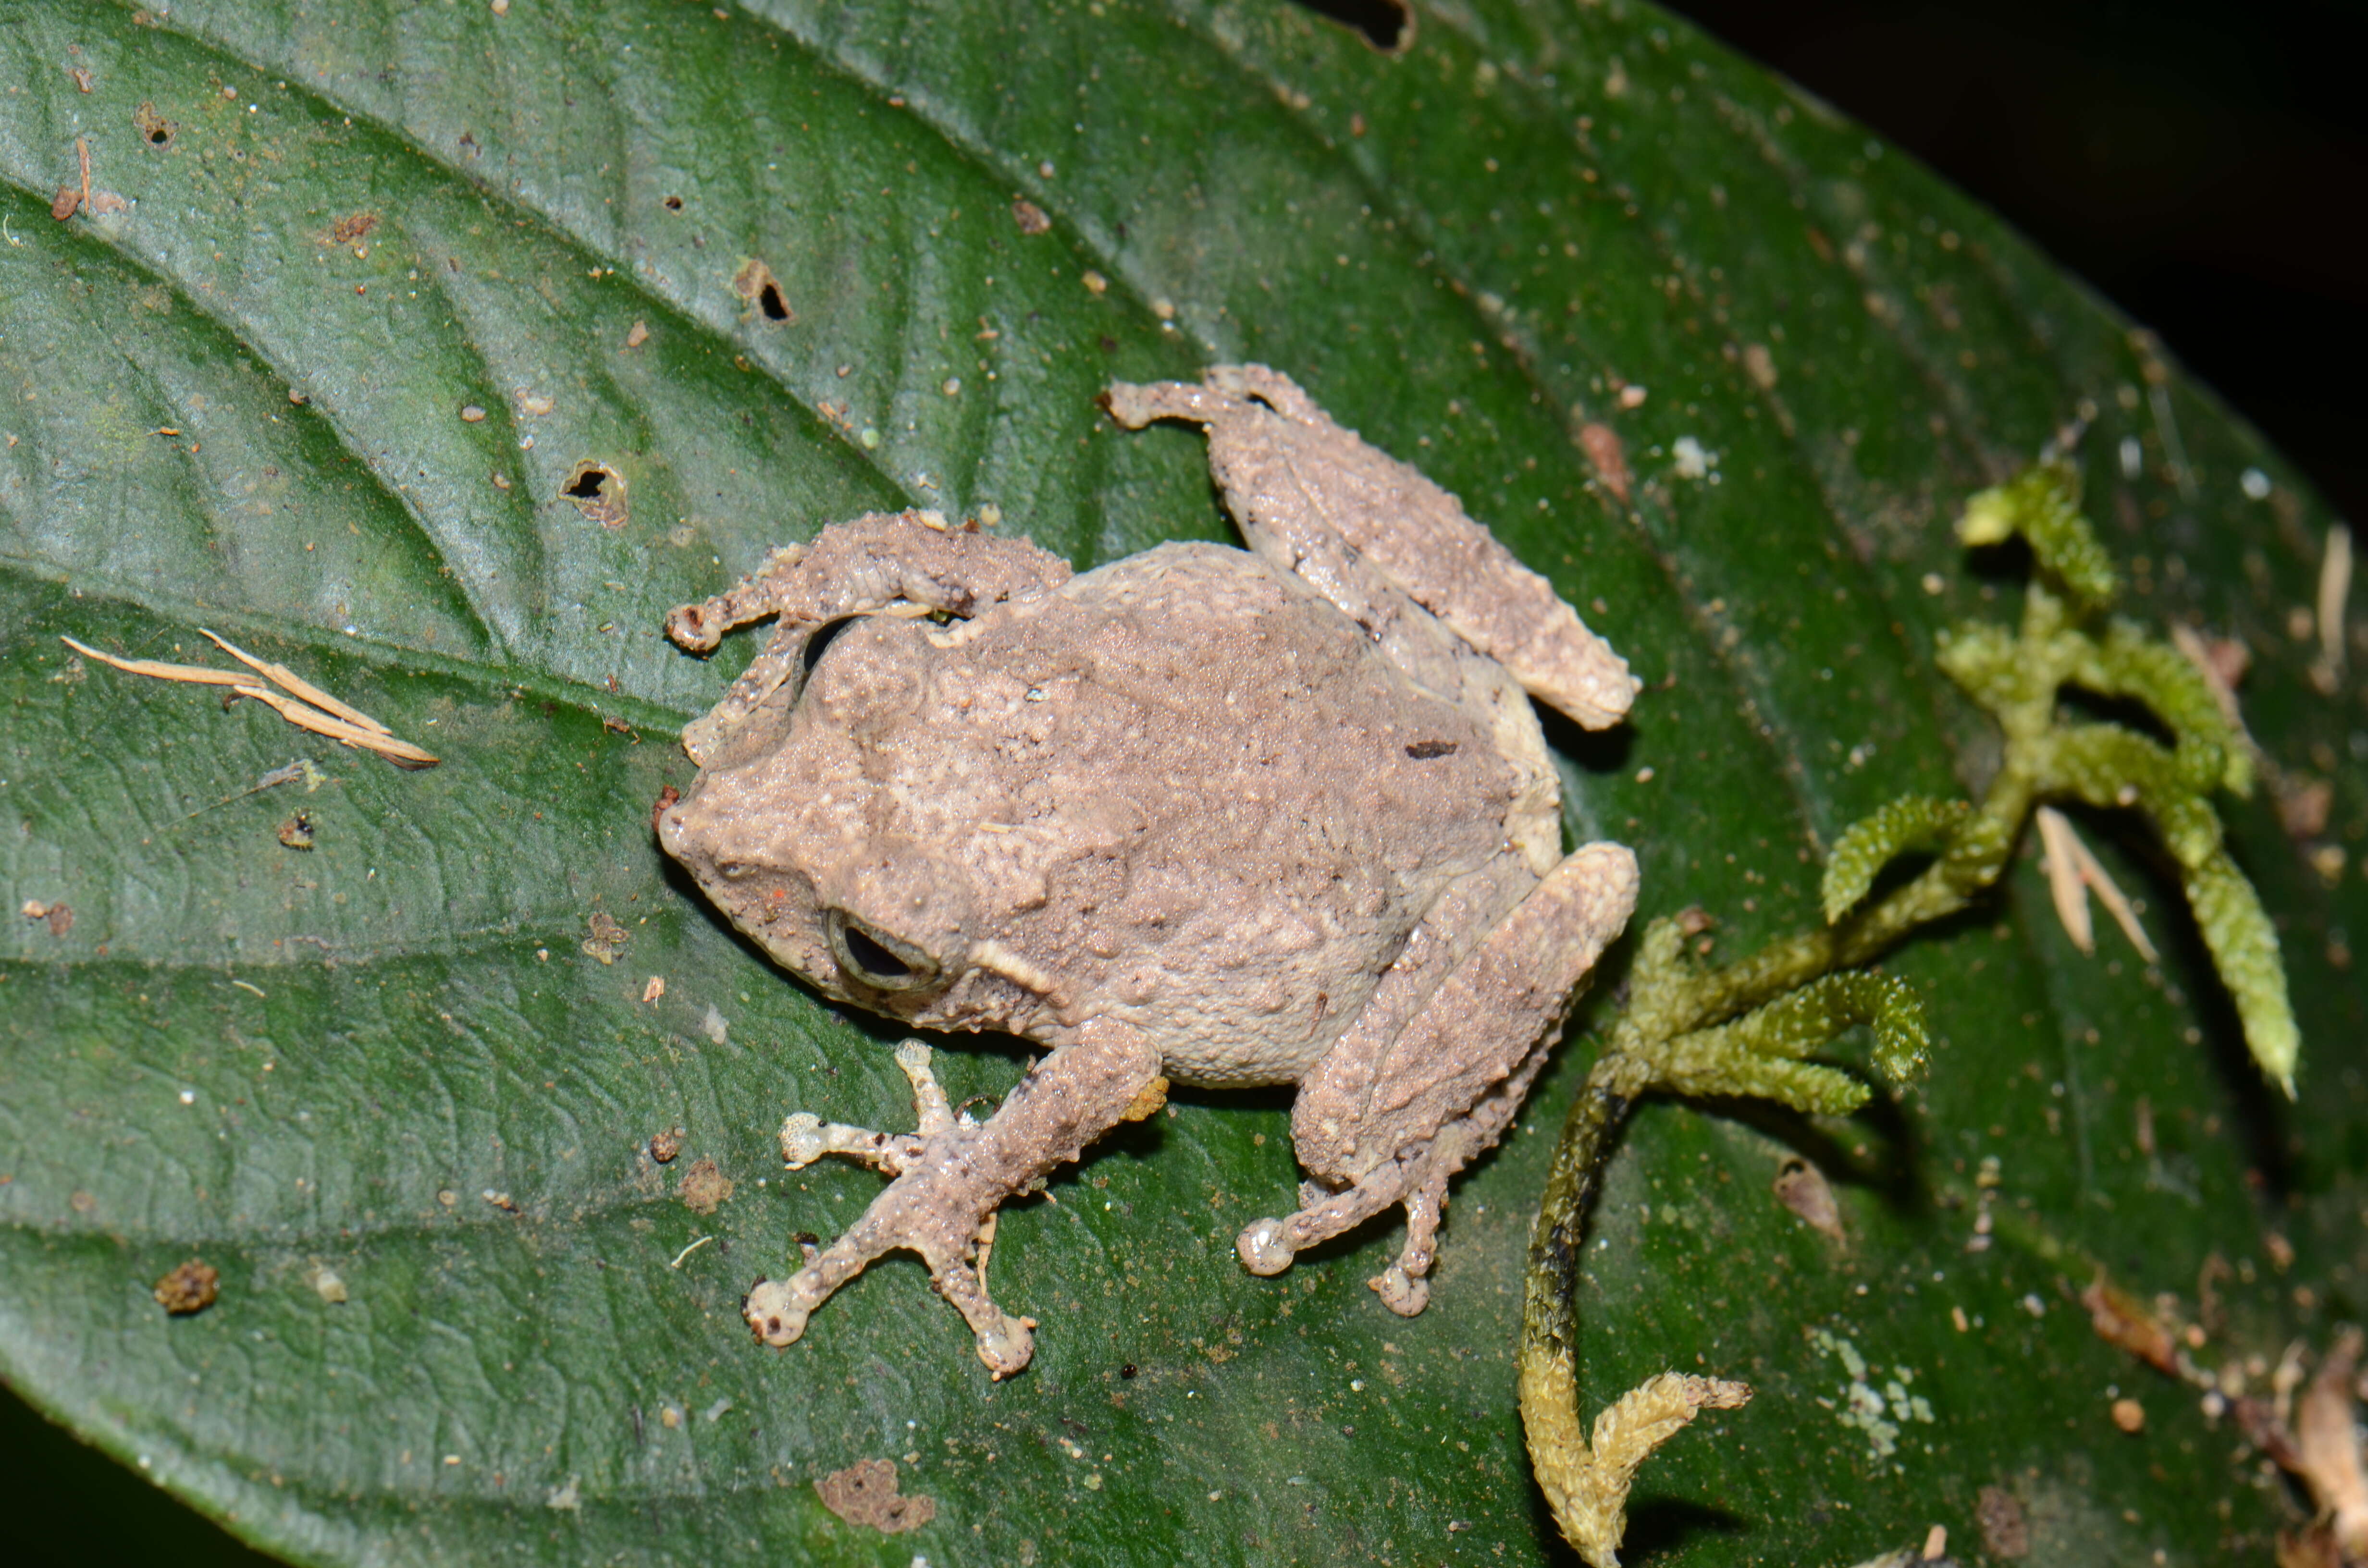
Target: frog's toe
[1405,1294]
[801,1140]
[774,1311]
[1007,1346]
[1263,1247]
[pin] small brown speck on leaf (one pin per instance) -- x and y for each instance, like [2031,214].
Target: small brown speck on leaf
[63,207]
[2303,803]
[1029,216]
[1803,1188]
[865,1493]
[2129,1415]
[666,797]
[296,833]
[351,227]
[82,79]
[703,1187]
[654,989]
[637,335]
[1607,457]
[1999,1515]
[664,1146]
[191,1287]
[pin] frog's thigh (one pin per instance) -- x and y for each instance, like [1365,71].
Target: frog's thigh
[1453,1076]
[961,1175]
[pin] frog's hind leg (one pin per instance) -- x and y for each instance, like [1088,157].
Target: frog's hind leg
[954,1174]
[1391,1124]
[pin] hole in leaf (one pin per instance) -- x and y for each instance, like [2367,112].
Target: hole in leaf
[598,492]
[755,283]
[153,128]
[1386,25]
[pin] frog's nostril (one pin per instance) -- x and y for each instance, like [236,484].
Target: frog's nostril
[874,958]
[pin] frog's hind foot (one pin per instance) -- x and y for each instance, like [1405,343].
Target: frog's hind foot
[1418,1179]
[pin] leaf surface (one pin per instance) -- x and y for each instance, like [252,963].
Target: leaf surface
[391,280]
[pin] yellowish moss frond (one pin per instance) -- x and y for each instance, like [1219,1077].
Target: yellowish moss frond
[1911,821]
[2043,504]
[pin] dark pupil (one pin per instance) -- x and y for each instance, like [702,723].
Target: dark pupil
[873,958]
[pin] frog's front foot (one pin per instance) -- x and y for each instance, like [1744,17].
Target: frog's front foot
[953,1174]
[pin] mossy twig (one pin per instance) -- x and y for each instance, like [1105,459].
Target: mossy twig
[1746,1028]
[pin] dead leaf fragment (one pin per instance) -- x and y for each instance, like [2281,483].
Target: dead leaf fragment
[63,207]
[2118,1319]
[2072,874]
[865,1493]
[1803,1188]
[2327,1440]
[703,1187]
[191,1287]
[655,989]
[664,1146]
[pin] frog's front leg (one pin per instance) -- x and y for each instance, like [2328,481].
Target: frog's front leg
[954,1174]
[1387,1118]
[881,564]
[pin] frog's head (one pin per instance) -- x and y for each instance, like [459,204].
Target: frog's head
[810,845]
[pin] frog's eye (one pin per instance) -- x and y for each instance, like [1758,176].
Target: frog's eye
[874,958]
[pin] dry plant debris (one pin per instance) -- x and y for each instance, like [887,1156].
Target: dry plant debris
[299,702]
[191,1287]
[2073,873]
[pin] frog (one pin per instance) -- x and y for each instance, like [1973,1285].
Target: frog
[1202,816]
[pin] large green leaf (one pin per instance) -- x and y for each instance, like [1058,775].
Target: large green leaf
[244,401]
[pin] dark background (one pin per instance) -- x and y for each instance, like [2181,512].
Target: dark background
[2205,167]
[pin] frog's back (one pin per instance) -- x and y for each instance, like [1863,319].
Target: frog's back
[1237,807]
